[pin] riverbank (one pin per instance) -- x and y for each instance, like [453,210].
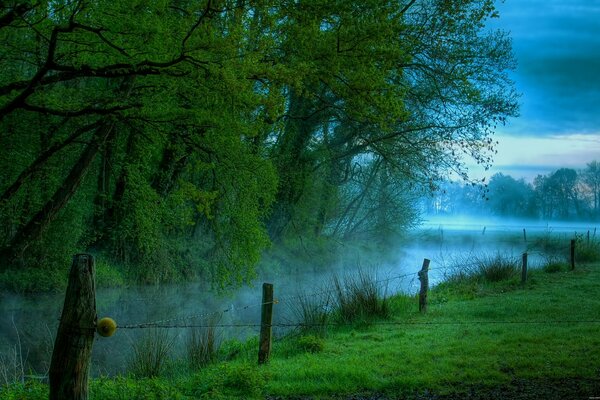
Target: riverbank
[478,339]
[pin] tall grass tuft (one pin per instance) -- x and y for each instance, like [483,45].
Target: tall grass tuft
[12,364]
[151,354]
[497,268]
[312,313]
[483,268]
[359,298]
[587,251]
[203,345]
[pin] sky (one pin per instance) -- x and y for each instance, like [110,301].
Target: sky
[557,47]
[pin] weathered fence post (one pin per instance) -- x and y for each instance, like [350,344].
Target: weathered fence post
[524,235]
[524,269]
[70,365]
[424,278]
[266,322]
[572,254]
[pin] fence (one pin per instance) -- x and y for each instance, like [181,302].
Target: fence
[70,364]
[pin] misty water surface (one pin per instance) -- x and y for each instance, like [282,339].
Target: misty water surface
[30,322]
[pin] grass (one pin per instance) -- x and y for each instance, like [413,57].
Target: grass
[151,354]
[202,345]
[499,338]
[358,298]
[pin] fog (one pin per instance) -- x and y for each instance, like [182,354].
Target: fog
[28,323]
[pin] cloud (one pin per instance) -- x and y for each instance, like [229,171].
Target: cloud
[528,156]
[557,46]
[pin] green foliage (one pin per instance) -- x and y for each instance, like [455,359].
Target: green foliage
[30,390]
[311,343]
[231,380]
[235,349]
[107,274]
[552,267]
[33,280]
[124,388]
[178,141]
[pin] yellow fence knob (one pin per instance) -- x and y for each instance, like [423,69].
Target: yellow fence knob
[106,327]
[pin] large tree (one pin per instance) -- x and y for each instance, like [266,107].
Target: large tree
[178,132]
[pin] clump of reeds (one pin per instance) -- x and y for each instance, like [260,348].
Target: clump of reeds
[359,297]
[151,354]
[203,343]
[312,313]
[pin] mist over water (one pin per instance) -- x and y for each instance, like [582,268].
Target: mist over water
[30,322]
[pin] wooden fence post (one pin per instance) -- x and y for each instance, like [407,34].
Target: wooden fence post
[524,235]
[524,269]
[424,278]
[70,365]
[572,254]
[266,322]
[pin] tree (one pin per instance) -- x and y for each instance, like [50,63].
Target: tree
[432,90]
[180,133]
[159,90]
[558,195]
[508,197]
[591,179]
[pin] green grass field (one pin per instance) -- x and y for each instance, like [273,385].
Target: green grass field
[483,340]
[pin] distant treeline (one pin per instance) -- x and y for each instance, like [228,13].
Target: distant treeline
[565,194]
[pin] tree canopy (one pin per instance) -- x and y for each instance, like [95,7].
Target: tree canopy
[180,138]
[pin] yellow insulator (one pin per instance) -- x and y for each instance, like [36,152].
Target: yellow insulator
[106,327]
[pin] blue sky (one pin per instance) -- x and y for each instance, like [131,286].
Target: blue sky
[557,46]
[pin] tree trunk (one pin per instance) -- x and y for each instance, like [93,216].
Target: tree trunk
[70,365]
[33,230]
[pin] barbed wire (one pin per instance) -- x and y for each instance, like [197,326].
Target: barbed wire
[193,316]
[376,323]
[168,322]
